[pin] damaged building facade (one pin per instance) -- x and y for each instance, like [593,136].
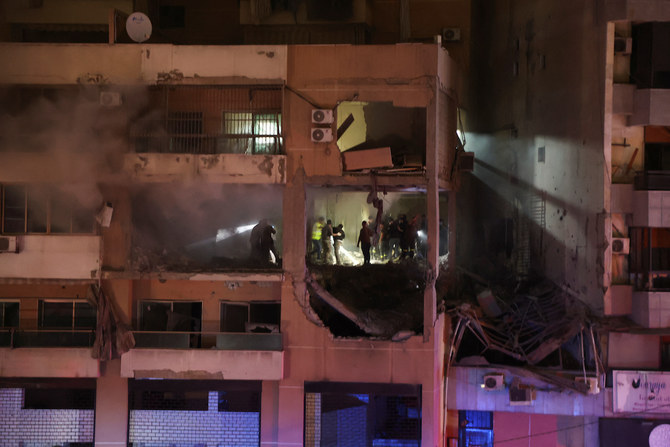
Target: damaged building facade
[569,140]
[133,177]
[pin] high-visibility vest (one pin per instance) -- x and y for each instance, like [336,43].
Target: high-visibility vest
[316,230]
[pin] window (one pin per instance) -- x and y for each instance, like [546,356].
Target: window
[185,130]
[261,316]
[362,414]
[9,314]
[66,314]
[28,209]
[176,316]
[475,429]
[251,133]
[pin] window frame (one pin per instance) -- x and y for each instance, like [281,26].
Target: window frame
[140,312]
[52,200]
[248,322]
[3,313]
[254,136]
[73,321]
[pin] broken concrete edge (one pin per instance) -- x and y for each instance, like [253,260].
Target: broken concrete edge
[301,296]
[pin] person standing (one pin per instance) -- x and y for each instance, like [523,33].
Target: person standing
[327,242]
[365,241]
[338,237]
[317,229]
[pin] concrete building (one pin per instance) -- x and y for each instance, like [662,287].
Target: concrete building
[569,138]
[134,177]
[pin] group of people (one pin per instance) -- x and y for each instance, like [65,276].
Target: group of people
[327,242]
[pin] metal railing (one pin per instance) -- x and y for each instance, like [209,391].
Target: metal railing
[234,341]
[47,338]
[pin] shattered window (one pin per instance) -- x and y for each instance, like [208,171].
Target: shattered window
[178,316]
[43,209]
[261,317]
[251,133]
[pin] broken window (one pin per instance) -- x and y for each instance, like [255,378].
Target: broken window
[29,209]
[9,314]
[177,316]
[205,226]
[345,414]
[66,314]
[261,316]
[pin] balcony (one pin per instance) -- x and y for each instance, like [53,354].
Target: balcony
[11,338]
[233,356]
[52,257]
[214,168]
[25,353]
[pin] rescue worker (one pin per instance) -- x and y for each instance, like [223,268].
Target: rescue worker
[317,229]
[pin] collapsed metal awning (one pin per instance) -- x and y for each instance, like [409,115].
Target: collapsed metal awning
[528,328]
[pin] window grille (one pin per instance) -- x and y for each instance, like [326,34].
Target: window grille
[341,414]
[211,119]
[475,429]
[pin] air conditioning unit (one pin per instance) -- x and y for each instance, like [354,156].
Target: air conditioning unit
[9,244]
[493,382]
[623,45]
[591,382]
[621,245]
[451,34]
[110,99]
[321,135]
[521,396]
[322,116]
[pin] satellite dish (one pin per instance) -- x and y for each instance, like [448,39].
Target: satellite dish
[138,27]
[660,436]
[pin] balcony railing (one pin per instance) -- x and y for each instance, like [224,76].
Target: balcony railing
[652,181]
[233,341]
[18,338]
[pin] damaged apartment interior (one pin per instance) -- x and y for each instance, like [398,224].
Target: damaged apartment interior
[352,223]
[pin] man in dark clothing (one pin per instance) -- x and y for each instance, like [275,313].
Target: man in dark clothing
[268,244]
[338,237]
[408,239]
[365,241]
[327,242]
[255,240]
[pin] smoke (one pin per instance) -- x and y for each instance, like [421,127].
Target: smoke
[83,141]
[185,219]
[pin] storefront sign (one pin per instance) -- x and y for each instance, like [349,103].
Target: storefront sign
[641,392]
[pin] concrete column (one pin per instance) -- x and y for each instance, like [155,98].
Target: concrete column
[269,413]
[432,213]
[291,414]
[111,406]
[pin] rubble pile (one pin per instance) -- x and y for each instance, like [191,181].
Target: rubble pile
[379,300]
